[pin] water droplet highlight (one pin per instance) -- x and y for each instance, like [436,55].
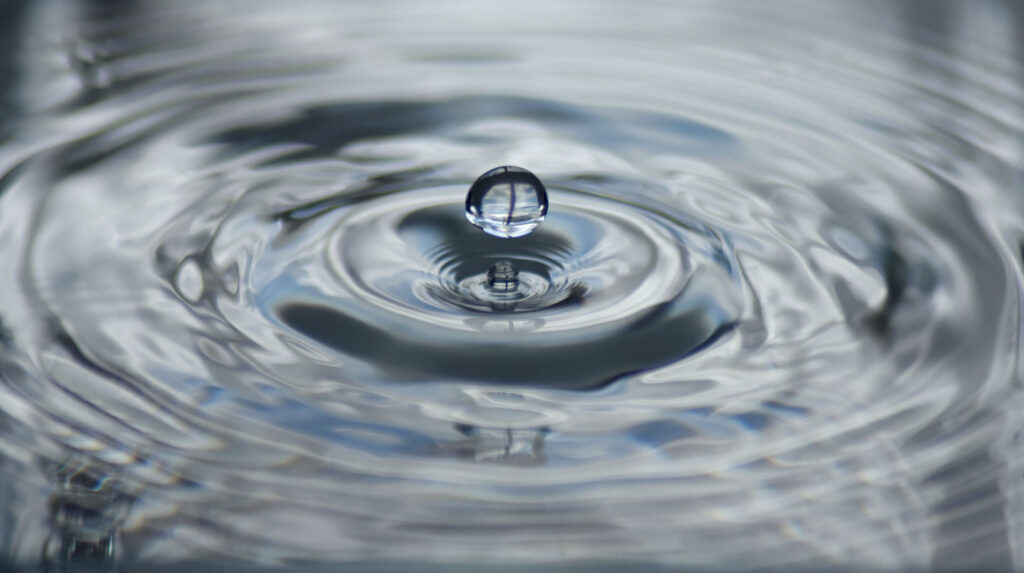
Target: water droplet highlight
[507,202]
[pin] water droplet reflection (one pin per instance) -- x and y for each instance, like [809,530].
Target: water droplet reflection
[503,277]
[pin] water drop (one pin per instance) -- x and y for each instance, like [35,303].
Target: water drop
[503,277]
[507,202]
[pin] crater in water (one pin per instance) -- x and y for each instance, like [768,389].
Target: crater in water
[770,318]
[608,289]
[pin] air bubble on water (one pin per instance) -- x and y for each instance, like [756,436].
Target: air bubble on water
[507,202]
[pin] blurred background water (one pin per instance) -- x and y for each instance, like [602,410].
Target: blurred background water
[771,322]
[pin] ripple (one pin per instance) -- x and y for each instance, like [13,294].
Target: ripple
[770,319]
[607,290]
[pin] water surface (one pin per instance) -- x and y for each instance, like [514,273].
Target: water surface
[771,321]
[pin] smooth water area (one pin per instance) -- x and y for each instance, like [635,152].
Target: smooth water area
[771,320]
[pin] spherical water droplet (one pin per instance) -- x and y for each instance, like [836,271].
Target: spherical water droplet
[507,202]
